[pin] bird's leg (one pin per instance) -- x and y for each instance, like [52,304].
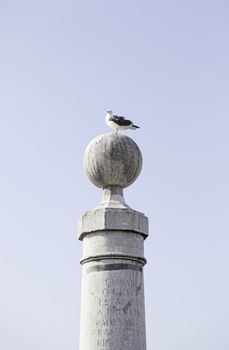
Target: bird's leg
[116,131]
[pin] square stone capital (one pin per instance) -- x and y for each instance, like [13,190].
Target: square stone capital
[108,219]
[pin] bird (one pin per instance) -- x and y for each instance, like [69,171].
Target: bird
[119,123]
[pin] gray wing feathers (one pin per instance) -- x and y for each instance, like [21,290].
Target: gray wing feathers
[121,120]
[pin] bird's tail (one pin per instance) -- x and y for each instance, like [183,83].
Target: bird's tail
[135,127]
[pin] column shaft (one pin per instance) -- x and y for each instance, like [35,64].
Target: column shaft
[112,304]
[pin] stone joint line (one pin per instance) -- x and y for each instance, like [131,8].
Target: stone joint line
[113,267]
[138,259]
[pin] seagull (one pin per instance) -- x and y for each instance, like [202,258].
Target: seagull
[119,123]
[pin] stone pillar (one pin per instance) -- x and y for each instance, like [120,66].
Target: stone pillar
[112,301]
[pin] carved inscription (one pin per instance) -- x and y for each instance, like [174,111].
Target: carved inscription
[118,310]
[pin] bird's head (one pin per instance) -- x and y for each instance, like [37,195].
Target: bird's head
[109,112]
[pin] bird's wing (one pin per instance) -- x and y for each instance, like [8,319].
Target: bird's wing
[121,120]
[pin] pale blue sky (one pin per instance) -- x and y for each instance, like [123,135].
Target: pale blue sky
[163,64]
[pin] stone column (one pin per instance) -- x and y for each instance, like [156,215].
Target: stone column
[112,301]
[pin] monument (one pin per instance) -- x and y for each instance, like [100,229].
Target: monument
[113,234]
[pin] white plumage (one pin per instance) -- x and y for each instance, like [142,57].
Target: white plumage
[119,123]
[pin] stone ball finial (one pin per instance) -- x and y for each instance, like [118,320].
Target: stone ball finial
[112,160]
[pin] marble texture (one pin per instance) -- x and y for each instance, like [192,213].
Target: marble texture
[113,234]
[112,159]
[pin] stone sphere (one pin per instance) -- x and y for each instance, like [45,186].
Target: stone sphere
[112,159]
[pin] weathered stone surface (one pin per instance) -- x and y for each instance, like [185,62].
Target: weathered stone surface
[112,159]
[112,219]
[113,312]
[112,301]
[110,243]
